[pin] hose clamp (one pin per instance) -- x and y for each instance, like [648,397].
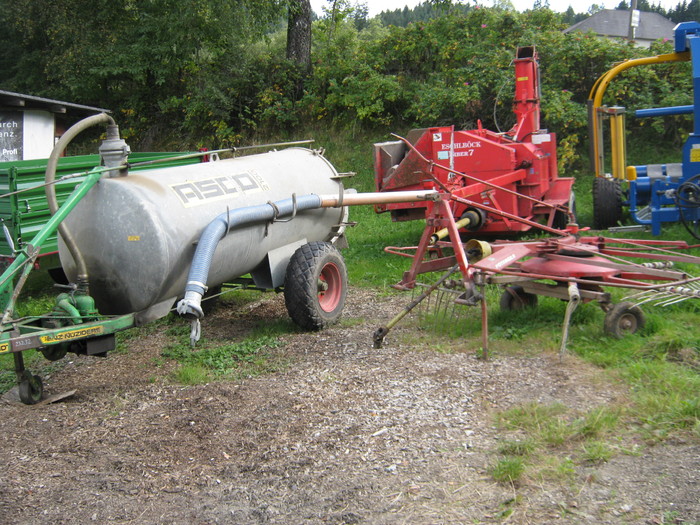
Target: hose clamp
[341,195]
[276,218]
[199,284]
[275,211]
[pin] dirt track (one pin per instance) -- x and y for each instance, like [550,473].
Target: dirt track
[342,434]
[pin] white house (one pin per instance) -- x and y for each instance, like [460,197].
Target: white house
[30,126]
[615,24]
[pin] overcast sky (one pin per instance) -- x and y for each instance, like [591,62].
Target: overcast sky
[377,6]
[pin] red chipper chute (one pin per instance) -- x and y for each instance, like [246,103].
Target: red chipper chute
[502,175]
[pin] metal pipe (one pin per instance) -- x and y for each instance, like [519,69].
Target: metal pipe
[662,112]
[359,199]
[595,97]
[441,234]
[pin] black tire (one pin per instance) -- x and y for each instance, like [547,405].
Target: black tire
[607,203]
[561,219]
[624,319]
[58,275]
[30,392]
[688,204]
[315,285]
[515,298]
[54,352]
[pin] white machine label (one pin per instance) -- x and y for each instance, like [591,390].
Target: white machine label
[194,193]
[541,138]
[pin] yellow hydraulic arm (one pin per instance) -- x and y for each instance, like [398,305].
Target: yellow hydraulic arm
[596,110]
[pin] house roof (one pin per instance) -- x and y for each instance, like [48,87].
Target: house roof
[616,22]
[10,100]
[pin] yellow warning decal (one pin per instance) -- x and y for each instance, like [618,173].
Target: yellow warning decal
[695,155]
[73,334]
[133,238]
[4,347]
[520,79]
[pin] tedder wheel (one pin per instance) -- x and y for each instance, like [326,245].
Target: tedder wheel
[31,390]
[315,285]
[515,298]
[607,203]
[623,319]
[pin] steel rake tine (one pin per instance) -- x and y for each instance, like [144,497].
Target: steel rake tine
[436,312]
[676,301]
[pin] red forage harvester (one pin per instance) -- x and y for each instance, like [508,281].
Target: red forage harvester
[495,177]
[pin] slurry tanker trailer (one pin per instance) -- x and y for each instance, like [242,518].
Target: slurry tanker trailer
[137,244]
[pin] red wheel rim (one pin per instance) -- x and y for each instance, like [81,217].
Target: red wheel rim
[330,287]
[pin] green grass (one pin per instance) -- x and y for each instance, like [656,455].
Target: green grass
[553,439]
[508,469]
[191,375]
[596,452]
[216,357]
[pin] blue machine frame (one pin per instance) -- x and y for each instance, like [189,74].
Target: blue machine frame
[657,193]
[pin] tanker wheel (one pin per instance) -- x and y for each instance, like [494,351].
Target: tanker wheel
[607,203]
[515,298]
[315,285]
[30,390]
[623,319]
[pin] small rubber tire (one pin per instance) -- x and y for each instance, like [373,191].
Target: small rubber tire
[54,352]
[607,203]
[515,298]
[58,275]
[315,285]
[624,319]
[31,394]
[561,219]
[688,204]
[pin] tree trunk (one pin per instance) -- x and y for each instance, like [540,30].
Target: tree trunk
[299,33]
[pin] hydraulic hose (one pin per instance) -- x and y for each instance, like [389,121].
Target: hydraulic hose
[51,166]
[190,305]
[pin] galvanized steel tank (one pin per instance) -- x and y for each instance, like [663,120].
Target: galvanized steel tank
[138,233]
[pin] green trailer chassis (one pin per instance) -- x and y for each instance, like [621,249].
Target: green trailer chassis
[73,325]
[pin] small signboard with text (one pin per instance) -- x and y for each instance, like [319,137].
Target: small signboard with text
[11,133]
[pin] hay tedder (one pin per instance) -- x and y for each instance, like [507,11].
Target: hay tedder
[500,183]
[569,266]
